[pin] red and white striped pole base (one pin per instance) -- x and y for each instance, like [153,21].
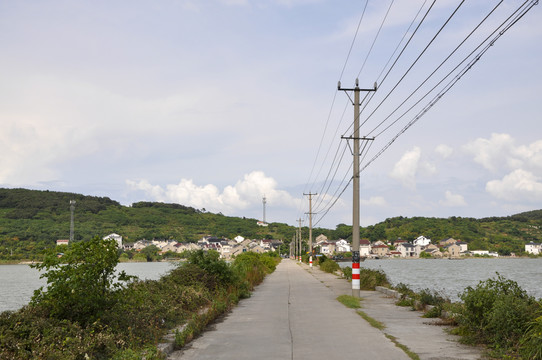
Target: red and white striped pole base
[355,273]
[310,260]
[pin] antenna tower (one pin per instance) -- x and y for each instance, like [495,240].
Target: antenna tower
[264,201]
[72,210]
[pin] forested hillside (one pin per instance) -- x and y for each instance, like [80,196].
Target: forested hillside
[32,220]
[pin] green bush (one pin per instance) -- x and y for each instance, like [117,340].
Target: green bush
[329,266]
[81,284]
[347,272]
[404,290]
[210,261]
[531,342]
[370,279]
[132,318]
[496,312]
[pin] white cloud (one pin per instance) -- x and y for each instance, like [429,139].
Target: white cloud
[374,201]
[244,194]
[518,186]
[409,166]
[499,152]
[444,151]
[452,200]
[405,169]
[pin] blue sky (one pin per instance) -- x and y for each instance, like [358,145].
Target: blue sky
[214,104]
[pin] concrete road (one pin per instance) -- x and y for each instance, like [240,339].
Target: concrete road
[292,315]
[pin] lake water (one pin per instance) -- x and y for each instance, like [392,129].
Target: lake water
[451,277]
[18,282]
[448,277]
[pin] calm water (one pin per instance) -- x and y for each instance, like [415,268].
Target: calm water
[451,277]
[18,282]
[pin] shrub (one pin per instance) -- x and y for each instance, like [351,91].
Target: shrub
[531,342]
[347,272]
[370,279]
[329,266]
[496,312]
[82,283]
[210,262]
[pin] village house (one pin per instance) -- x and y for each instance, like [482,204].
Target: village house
[464,246]
[115,237]
[327,247]
[422,241]
[342,246]
[453,251]
[433,250]
[141,244]
[62,242]
[448,241]
[398,242]
[321,238]
[531,248]
[407,250]
[266,244]
[184,246]
[380,250]
[364,248]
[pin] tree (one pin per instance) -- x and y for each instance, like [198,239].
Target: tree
[81,283]
[150,252]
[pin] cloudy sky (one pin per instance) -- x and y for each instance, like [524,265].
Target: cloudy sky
[217,103]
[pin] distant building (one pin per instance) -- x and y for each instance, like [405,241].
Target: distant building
[62,242]
[422,241]
[115,237]
[342,246]
[533,248]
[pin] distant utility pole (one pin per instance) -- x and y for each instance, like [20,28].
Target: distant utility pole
[310,225]
[72,227]
[355,205]
[300,244]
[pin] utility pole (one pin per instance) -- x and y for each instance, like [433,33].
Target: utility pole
[355,183]
[300,247]
[72,226]
[310,226]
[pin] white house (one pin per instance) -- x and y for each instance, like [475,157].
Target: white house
[422,241]
[533,248]
[327,247]
[464,247]
[364,248]
[115,237]
[239,239]
[342,246]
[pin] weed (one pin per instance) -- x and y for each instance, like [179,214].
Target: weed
[350,301]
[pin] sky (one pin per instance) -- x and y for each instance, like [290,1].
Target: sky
[215,104]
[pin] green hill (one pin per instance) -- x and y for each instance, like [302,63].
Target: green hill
[32,220]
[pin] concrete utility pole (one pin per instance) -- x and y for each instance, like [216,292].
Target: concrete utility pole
[300,247]
[72,225]
[355,183]
[310,225]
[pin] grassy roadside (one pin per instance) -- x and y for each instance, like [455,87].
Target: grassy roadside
[133,318]
[496,314]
